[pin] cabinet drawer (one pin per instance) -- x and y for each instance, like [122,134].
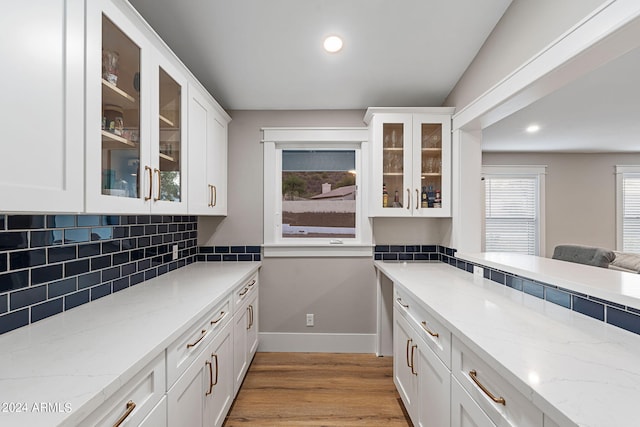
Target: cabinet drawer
[183,351]
[514,410]
[244,292]
[133,401]
[434,333]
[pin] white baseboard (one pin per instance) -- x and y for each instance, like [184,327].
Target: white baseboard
[317,343]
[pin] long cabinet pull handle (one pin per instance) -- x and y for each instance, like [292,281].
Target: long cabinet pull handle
[156,198]
[215,357]
[408,199]
[409,341]
[203,333]
[417,199]
[401,303]
[244,292]
[474,376]
[148,169]
[210,196]
[429,331]
[251,315]
[413,371]
[130,407]
[207,363]
[222,315]
[248,317]
[215,195]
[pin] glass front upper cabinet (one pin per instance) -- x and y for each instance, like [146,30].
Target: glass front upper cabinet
[120,133]
[411,162]
[168,174]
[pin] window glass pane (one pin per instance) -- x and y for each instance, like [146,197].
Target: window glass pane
[319,193]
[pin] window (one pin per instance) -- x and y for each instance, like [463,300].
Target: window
[514,199]
[628,208]
[314,192]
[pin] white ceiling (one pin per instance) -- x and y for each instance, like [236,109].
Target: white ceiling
[259,54]
[599,112]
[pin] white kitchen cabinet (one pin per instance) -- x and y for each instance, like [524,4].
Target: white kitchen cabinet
[136,136]
[207,155]
[422,380]
[411,162]
[204,393]
[465,412]
[158,415]
[245,330]
[41,167]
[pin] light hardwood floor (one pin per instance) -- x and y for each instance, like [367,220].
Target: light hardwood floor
[318,389]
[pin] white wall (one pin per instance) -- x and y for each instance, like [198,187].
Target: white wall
[580,194]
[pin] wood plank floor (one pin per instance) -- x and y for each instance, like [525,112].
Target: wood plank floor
[318,389]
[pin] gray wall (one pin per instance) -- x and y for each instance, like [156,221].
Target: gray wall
[525,29]
[580,194]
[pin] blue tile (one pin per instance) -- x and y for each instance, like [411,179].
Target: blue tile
[87,250]
[100,291]
[623,319]
[111,247]
[390,257]
[163,229]
[256,257]
[532,288]
[120,258]
[111,220]
[237,249]
[15,320]
[450,251]
[497,277]
[120,232]
[463,265]
[88,220]
[120,284]
[514,282]
[24,222]
[110,274]
[4,265]
[62,287]
[61,253]
[222,249]
[487,273]
[429,248]
[143,219]
[590,308]
[229,257]
[412,248]
[136,278]
[381,248]
[98,263]
[13,240]
[633,310]
[4,305]
[396,248]
[253,249]
[452,261]
[46,274]
[136,230]
[144,264]
[128,244]
[61,221]
[405,257]
[557,297]
[469,267]
[26,259]
[150,274]
[129,269]
[201,257]
[46,238]
[74,268]
[163,269]
[150,229]
[156,219]
[377,256]
[76,299]
[88,280]
[2,222]
[26,297]
[144,242]
[101,233]
[205,249]
[46,309]
[76,235]
[14,280]
[245,257]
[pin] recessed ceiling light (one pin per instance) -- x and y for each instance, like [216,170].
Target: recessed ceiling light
[533,128]
[332,44]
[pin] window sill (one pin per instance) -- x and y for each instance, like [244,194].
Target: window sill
[286,250]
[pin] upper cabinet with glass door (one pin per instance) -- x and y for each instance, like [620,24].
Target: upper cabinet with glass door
[411,155]
[135,139]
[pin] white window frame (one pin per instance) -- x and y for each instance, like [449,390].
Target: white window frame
[519,171]
[275,140]
[621,171]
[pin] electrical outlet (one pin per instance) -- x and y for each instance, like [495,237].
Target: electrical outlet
[175,252]
[309,319]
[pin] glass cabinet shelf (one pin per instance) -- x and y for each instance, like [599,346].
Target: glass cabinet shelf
[115,95]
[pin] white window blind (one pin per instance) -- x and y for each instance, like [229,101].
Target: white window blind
[512,214]
[631,212]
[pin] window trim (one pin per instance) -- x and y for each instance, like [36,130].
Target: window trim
[518,171]
[620,171]
[277,139]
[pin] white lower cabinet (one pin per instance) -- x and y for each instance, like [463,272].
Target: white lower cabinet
[203,394]
[245,334]
[465,412]
[423,381]
[158,415]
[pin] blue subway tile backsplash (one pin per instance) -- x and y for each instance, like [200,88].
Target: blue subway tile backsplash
[52,263]
[228,253]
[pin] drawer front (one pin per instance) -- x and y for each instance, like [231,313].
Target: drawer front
[434,333]
[243,292]
[465,412]
[183,351]
[134,401]
[514,410]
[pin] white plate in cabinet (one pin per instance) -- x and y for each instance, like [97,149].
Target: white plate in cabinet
[203,395]
[500,400]
[133,401]
[184,350]
[244,291]
[465,412]
[434,333]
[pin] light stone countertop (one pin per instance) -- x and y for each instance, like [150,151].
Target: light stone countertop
[612,285]
[576,369]
[80,357]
